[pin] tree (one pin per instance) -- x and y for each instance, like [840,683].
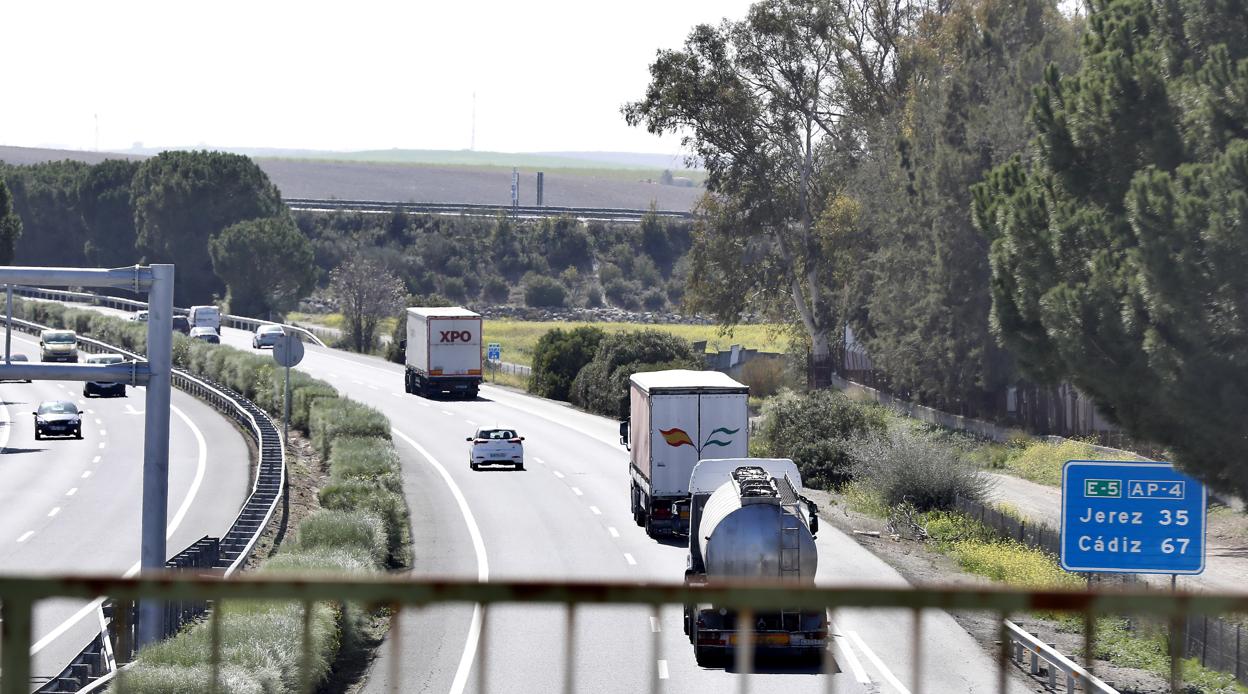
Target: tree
[182,199]
[602,385]
[104,200]
[1117,254]
[45,197]
[366,292]
[559,356]
[771,105]
[267,265]
[543,291]
[10,226]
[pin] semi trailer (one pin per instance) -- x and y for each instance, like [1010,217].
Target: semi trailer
[675,417]
[749,522]
[442,352]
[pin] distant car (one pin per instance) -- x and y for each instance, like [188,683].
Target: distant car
[107,388]
[267,336]
[205,317]
[181,325]
[496,447]
[206,334]
[22,358]
[58,345]
[58,418]
[139,316]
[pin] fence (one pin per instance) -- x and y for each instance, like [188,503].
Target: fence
[1219,645]
[18,595]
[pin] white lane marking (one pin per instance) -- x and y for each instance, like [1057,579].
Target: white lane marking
[539,461]
[595,511]
[101,444]
[577,492]
[471,422]
[55,510]
[130,410]
[26,536]
[86,474]
[655,627]
[613,531]
[854,665]
[90,607]
[397,395]
[98,420]
[629,558]
[61,386]
[483,568]
[421,403]
[333,375]
[662,669]
[103,432]
[72,492]
[96,459]
[448,413]
[373,387]
[82,401]
[558,474]
[358,383]
[879,664]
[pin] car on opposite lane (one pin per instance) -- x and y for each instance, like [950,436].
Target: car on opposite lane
[58,345]
[139,316]
[267,336]
[57,418]
[181,324]
[104,388]
[496,447]
[22,358]
[206,334]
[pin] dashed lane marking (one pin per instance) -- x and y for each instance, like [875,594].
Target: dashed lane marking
[662,669]
[613,531]
[448,413]
[103,432]
[558,474]
[879,664]
[72,492]
[26,536]
[629,558]
[55,510]
[655,627]
[539,461]
[577,491]
[96,459]
[397,395]
[98,420]
[471,422]
[86,474]
[101,444]
[595,511]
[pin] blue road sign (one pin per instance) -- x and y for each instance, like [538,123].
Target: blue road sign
[1126,517]
[494,351]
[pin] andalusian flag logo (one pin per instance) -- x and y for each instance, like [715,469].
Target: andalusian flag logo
[676,437]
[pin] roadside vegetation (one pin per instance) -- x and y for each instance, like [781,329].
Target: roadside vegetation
[361,527]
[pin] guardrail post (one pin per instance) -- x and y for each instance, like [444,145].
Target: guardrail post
[156,443]
[15,641]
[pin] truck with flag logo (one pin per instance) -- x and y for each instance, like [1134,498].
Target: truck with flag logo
[676,418]
[442,352]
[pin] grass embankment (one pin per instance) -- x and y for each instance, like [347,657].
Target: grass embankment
[1038,461]
[361,528]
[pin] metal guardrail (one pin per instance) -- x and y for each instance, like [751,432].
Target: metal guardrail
[232,321]
[478,209]
[20,594]
[227,554]
[1043,660]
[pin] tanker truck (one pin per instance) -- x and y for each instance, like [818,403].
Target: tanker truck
[749,522]
[675,417]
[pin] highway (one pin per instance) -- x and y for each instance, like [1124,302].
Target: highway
[567,517]
[70,506]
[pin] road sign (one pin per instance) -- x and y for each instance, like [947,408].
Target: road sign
[288,351]
[494,351]
[1125,517]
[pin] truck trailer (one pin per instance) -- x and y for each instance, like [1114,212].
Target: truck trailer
[675,417]
[443,352]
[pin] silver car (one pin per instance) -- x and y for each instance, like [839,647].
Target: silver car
[267,336]
[206,334]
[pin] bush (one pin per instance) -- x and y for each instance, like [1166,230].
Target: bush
[559,356]
[815,430]
[602,385]
[343,530]
[916,467]
[365,458]
[495,290]
[622,293]
[544,292]
[1041,461]
[454,288]
[388,506]
[593,297]
[763,375]
[329,418]
[654,300]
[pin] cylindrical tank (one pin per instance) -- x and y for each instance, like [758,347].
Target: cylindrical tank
[747,540]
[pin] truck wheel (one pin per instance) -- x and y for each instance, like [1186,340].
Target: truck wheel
[648,525]
[704,656]
[471,395]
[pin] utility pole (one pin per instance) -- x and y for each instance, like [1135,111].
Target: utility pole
[156,444]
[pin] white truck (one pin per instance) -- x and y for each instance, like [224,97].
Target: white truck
[676,418]
[443,352]
[749,522]
[205,317]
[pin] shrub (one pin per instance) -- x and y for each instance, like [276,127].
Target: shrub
[1041,461]
[387,505]
[593,297]
[339,530]
[330,418]
[544,292]
[654,300]
[454,288]
[917,467]
[602,385]
[608,273]
[495,290]
[763,375]
[365,458]
[559,356]
[622,293]
[815,430]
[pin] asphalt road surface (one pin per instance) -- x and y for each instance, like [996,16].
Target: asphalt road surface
[73,506]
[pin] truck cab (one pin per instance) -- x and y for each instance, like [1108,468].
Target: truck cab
[58,345]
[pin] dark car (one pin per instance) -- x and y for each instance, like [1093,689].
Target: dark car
[181,325]
[58,418]
[101,388]
[16,358]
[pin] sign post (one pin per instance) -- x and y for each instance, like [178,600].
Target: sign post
[494,355]
[287,352]
[1128,517]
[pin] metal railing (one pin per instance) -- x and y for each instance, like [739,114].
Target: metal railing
[18,596]
[1041,659]
[478,209]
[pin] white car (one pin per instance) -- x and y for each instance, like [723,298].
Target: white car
[139,316]
[496,447]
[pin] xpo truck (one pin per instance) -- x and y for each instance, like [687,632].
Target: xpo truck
[443,352]
[675,419]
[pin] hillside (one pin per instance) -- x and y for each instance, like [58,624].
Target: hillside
[569,179]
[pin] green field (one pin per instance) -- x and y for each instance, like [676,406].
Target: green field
[518,338]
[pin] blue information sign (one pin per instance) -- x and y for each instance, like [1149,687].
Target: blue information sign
[494,351]
[1127,517]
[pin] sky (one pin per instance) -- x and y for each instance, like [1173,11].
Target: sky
[548,75]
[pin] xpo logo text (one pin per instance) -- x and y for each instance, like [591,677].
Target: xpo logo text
[453,336]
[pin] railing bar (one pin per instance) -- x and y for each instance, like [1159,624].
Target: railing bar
[569,664]
[829,661]
[745,648]
[484,650]
[15,639]
[396,648]
[1089,641]
[655,647]
[305,658]
[1178,637]
[916,652]
[1003,653]
[214,655]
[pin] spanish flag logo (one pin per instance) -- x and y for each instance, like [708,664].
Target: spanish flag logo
[676,437]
